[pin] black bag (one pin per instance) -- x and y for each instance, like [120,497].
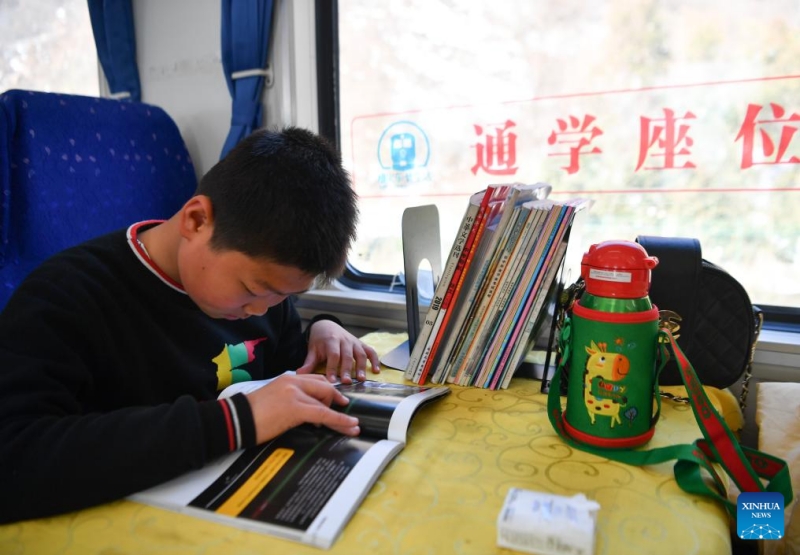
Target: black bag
[718,325]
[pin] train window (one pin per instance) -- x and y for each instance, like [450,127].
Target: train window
[48,46]
[679,119]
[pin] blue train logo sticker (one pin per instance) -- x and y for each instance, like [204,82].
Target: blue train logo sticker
[403,154]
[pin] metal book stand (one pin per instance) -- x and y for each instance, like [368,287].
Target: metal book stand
[421,241]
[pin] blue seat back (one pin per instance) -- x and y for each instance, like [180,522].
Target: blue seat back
[75,167]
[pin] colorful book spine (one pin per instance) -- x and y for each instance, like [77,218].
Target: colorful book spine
[471,365]
[489,257]
[520,344]
[527,311]
[459,244]
[509,248]
[517,272]
[487,283]
[467,290]
[434,340]
[515,350]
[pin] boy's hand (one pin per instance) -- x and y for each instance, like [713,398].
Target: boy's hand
[343,353]
[291,400]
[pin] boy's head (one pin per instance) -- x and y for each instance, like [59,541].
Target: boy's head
[284,196]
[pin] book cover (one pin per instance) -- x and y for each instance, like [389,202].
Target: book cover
[445,336]
[517,340]
[531,276]
[495,222]
[460,248]
[531,315]
[481,307]
[305,484]
[445,312]
[578,240]
[468,363]
[513,352]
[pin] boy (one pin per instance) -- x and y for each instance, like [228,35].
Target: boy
[112,353]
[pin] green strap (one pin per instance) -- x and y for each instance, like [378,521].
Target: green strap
[747,467]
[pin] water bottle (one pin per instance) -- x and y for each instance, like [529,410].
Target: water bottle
[613,346]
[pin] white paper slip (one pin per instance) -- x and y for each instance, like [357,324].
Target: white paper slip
[547,524]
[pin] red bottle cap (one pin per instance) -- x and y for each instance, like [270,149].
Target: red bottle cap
[617,269]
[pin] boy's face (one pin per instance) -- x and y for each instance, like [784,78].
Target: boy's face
[232,285]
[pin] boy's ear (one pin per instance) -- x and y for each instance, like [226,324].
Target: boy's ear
[196,215]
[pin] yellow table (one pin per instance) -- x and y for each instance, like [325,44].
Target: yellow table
[440,495]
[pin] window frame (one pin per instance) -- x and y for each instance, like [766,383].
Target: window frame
[779,318]
[327,51]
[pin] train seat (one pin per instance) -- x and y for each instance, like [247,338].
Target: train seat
[75,167]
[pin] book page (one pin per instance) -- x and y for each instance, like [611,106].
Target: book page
[374,403]
[303,485]
[181,490]
[384,410]
[247,387]
[287,481]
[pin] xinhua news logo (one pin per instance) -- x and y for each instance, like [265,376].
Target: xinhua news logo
[759,516]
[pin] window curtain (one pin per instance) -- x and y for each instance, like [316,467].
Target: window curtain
[245,42]
[112,24]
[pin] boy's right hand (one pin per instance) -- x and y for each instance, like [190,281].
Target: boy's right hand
[291,400]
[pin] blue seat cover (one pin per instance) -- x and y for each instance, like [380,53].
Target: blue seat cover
[75,167]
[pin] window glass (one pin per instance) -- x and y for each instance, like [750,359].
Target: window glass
[48,46]
[679,118]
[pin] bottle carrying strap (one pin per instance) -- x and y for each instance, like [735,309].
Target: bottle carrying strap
[748,468]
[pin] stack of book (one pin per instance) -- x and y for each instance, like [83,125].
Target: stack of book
[491,295]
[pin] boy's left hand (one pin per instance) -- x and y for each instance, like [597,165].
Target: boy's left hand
[343,353]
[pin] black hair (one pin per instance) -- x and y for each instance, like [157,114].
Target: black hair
[285,197]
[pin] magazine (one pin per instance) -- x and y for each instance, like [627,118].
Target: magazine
[305,484]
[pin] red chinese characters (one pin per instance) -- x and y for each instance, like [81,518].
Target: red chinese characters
[578,136]
[665,139]
[767,136]
[753,129]
[497,155]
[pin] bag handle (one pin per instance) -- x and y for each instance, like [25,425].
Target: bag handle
[746,467]
[675,281]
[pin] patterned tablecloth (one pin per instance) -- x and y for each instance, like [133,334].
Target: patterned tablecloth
[440,495]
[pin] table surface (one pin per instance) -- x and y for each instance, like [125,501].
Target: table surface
[442,494]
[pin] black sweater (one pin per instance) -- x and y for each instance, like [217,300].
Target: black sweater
[109,378]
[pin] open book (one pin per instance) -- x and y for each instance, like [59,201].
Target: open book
[305,484]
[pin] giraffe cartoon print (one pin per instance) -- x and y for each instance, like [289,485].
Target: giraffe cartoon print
[603,393]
